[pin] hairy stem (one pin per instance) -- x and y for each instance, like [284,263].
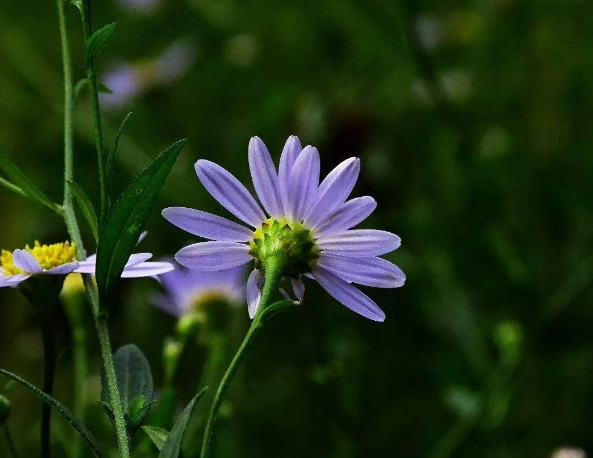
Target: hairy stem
[70,217]
[85,12]
[10,442]
[273,275]
[49,369]
[112,388]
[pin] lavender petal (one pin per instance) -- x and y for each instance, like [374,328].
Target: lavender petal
[64,269]
[208,256]
[348,295]
[334,190]
[207,225]
[253,292]
[12,280]
[146,269]
[291,151]
[229,192]
[346,215]
[299,289]
[265,178]
[359,243]
[375,272]
[304,181]
[26,261]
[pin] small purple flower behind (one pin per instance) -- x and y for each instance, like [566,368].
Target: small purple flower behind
[309,224]
[184,289]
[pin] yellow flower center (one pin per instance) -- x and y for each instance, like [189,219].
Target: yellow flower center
[48,256]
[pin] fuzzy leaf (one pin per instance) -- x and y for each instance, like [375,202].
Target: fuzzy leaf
[74,422]
[25,185]
[172,447]
[86,206]
[127,218]
[157,435]
[97,41]
[136,388]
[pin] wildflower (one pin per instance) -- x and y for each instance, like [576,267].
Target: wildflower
[185,290]
[19,265]
[59,259]
[309,224]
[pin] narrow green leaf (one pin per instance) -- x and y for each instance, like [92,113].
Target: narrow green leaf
[136,388]
[75,422]
[102,88]
[127,219]
[111,156]
[28,188]
[86,206]
[157,435]
[97,41]
[11,187]
[172,447]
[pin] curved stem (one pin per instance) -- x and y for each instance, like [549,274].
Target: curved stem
[273,275]
[10,442]
[49,368]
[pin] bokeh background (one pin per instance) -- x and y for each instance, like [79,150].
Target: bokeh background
[472,119]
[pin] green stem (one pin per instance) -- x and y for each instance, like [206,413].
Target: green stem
[274,269]
[70,217]
[49,369]
[68,206]
[10,442]
[112,388]
[85,12]
[80,377]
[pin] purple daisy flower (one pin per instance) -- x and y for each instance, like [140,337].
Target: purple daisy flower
[184,288]
[59,259]
[311,222]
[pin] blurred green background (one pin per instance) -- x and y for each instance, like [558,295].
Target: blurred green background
[473,123]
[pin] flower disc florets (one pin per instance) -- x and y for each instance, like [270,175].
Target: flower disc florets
[293,239]
[48,256]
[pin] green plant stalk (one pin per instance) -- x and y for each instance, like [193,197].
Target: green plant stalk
[49,370]
[72,224]
[111,377]
[274,269]
[10,442]
[85,12]
[80,356]
[80,377]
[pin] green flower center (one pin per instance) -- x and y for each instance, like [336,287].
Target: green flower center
[294,239]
